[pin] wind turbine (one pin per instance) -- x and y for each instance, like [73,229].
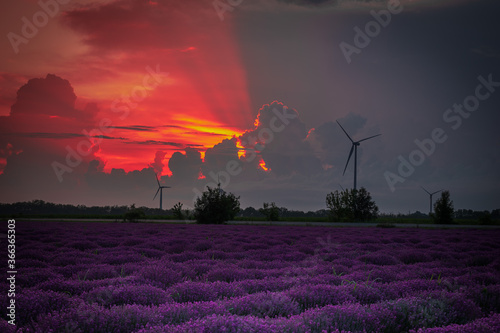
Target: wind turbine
[354,148]
[160,189]
[430,195]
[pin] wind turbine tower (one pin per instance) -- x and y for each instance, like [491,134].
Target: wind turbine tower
[430,197]
[160,189]
[354,148]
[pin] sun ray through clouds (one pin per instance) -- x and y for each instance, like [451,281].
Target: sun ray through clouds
[203,78]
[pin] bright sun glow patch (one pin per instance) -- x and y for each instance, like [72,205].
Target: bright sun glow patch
[263,166]
[241,149]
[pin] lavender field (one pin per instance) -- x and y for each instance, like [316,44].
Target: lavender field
[93,277]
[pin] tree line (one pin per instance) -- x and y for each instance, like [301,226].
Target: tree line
[217,206]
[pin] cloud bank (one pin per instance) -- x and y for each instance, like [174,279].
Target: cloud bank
[277,148]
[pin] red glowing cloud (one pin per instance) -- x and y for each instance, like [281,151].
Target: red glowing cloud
[157,77]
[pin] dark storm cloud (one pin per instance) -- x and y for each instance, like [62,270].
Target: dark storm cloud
[401,83]
[284,151]
[42,108]
[185,167]
[9,85]
[217,157]
[158,164]
[119,183]
[52,96]
[31,141]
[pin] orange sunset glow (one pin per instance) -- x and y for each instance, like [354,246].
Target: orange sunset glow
[192,103]
[262,164]
[160,92]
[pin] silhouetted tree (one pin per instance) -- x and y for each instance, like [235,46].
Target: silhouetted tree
[134,214]
[271,211]
[485,218]
[216,206]
[351,205]
[250,212]
[443,209]
[365,208]
[340,206]
[177,211]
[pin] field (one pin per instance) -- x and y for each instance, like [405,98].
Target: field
[110,277]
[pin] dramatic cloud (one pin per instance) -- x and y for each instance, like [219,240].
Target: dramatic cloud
[158,165]
[217,157]
[281,142]
[127,187]
[45,109]
[42,124]
[30,160]
[50,96]
[185,167]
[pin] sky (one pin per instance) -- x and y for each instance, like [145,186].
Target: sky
[100,97]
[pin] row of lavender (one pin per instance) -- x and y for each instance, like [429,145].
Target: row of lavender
[191,278]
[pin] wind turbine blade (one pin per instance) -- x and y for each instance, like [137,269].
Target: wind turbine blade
[348,159]
[436,192]
[156,176]
[345,132]
[369,137]
[165,186]
[425,190]
[156,193]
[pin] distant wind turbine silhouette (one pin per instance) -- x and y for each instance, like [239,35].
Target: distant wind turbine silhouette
[354,148]
[430,195]
[160,189]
